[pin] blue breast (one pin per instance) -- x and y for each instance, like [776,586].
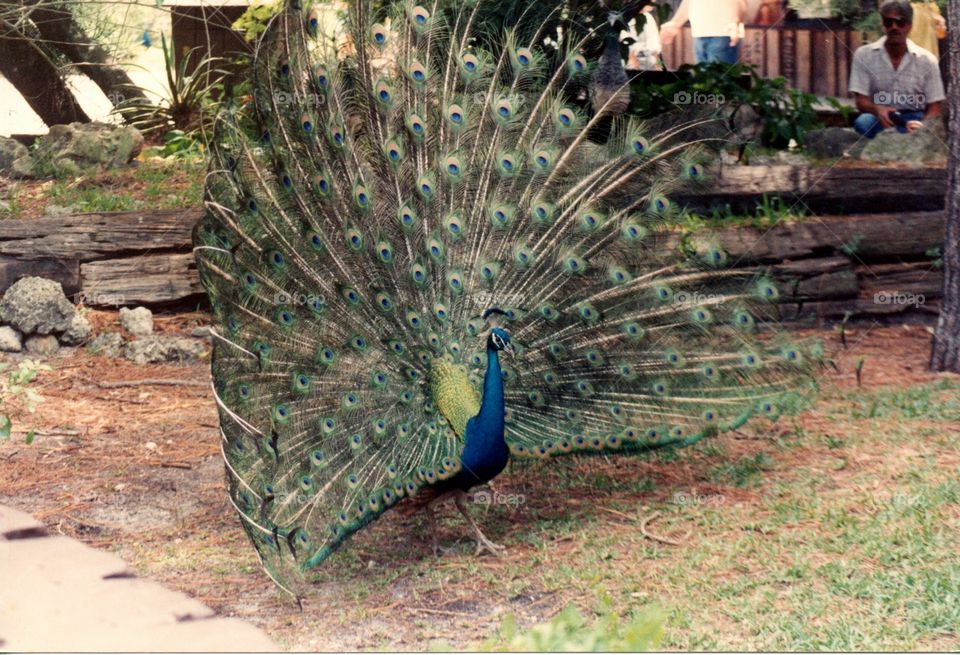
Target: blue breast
[485,453]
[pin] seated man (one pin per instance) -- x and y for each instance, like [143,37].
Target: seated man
[896,83]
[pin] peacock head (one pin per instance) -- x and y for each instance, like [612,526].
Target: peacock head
[499,340]
[617,22]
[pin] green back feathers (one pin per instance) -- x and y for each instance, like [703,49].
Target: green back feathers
[378,194]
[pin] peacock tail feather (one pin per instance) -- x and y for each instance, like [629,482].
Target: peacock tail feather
[371,200]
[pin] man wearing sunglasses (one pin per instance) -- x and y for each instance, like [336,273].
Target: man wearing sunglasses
[895,82]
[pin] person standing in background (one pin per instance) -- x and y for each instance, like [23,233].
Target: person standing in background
[929,26]
[716,25]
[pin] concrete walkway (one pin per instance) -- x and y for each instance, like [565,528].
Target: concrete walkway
[57,594]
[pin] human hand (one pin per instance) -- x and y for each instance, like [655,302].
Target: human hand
[883,115]
[913,126]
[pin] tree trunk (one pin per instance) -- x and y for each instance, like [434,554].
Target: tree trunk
[946,342]
[29,69]
[60,30]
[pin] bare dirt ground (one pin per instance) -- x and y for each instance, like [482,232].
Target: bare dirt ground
[131,466]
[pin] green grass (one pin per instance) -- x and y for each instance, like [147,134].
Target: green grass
[837,531]
[153,184]
[831,555]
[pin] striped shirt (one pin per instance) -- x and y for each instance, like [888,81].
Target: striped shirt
[911,87]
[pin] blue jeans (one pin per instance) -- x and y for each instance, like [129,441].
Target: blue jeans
[711,49]
[868,125]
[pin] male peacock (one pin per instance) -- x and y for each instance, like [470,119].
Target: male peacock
[388,218]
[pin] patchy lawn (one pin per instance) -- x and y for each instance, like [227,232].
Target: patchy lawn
[148,183]
[836,530]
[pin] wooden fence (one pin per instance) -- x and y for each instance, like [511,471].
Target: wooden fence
[815,59]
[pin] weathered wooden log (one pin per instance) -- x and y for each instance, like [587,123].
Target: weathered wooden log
[145,279]
[837,310]
[88,237]
[58,247]
[895,281]
[822,190]
[64,270]
[862,237]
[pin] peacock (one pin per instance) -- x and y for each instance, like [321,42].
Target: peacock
[421,267]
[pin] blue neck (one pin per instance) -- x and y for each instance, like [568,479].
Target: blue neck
[611,46]
[490,418]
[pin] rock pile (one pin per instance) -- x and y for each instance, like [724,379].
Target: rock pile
[70,150]
[36,316]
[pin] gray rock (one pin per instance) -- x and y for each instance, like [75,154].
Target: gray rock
[744,121]
[10,151]
[11,341]
[78,332]
[35,305]
[156,349]
[43,346]
[71,149]
[831,142]
[22,168]
[926,145]
[138,322]
[107,344]
[55,211]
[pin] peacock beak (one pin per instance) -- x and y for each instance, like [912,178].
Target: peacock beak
[509,349]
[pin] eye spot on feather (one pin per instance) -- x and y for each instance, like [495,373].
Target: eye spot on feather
[358,343]
[326,356]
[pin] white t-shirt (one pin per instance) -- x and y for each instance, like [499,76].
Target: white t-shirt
[714,18]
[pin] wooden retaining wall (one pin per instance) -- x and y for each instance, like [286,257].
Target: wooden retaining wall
[109,259]
[865,264]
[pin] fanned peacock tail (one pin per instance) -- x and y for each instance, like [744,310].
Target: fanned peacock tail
[372,200]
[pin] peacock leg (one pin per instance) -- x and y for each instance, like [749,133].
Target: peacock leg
[482,542]
[438,550]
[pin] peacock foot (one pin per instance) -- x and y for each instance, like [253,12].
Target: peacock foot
[484,544]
